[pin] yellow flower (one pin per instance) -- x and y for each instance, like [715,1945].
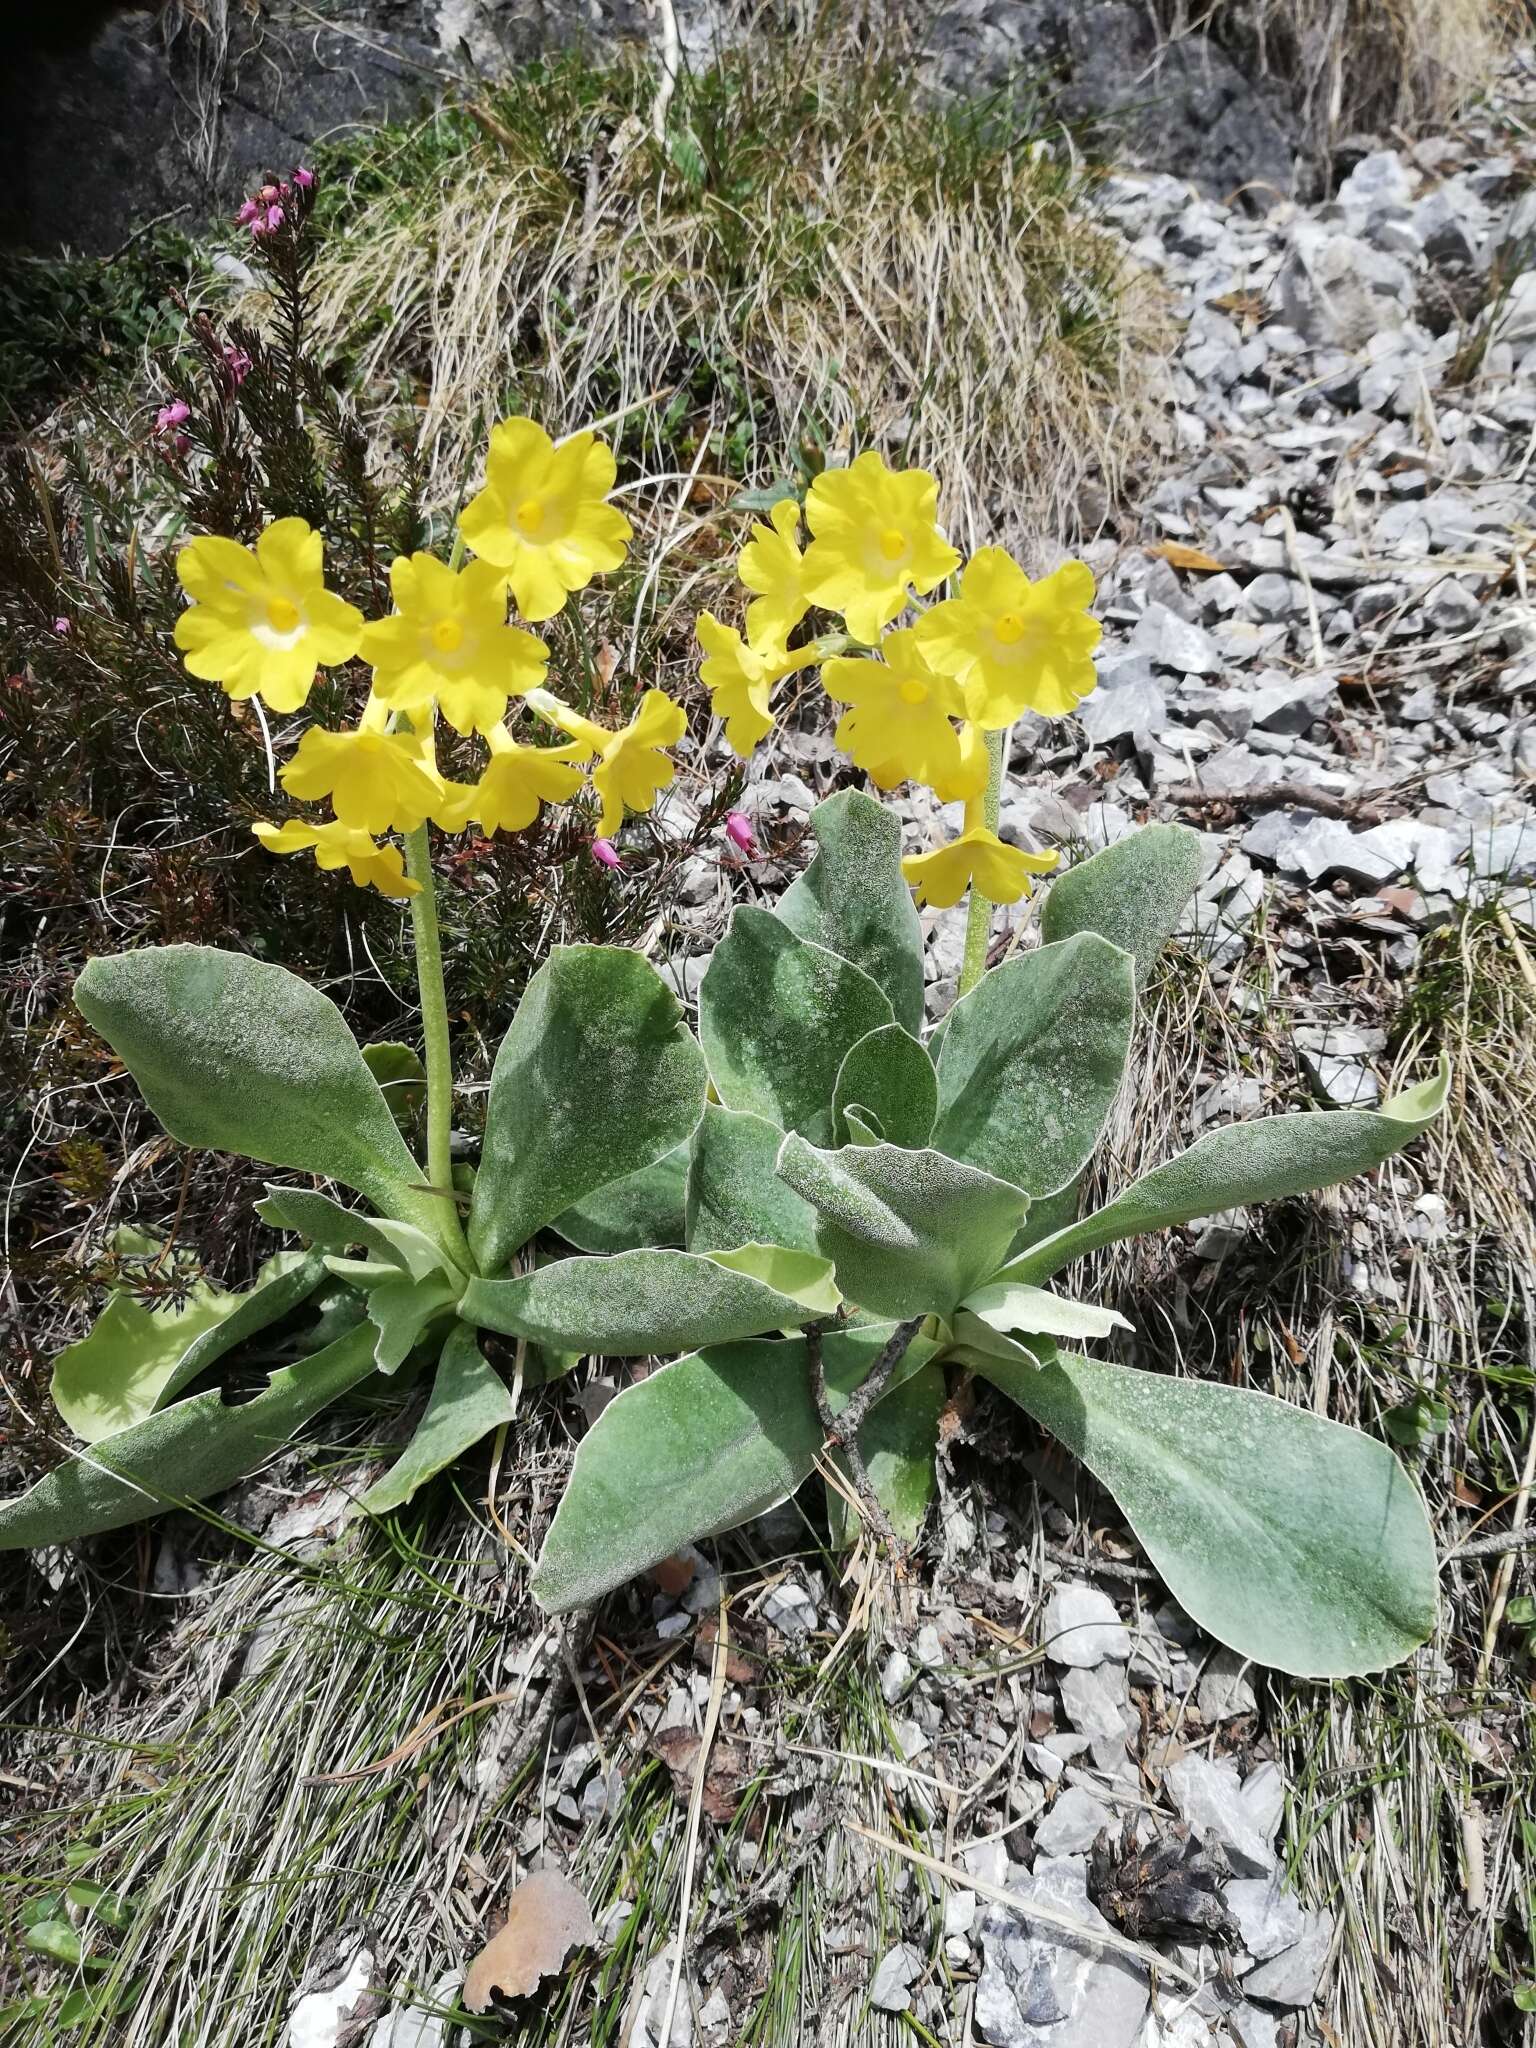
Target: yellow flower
[541,516]
[261,622]
[977,860]
[516,780]
[898,729]
[971,779]
[376,781]
[875,542]
[771,564]
[631,770]
[448,641]
[1016,646]
[338,846]
[740,675]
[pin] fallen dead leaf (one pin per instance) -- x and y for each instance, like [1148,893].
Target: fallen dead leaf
[546,1918]
[1178,556]
[678,1749]
[674,1575]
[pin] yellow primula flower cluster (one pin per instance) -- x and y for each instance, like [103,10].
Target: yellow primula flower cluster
[261,623]
[921,697]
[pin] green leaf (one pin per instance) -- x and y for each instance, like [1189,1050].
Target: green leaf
[186,1452]
[1243,1163]
[734,1193]
[401,1309]
[1133,893]
[597,1076]
[776,1017]
[468,1400]
[698,1447]
[646,1207]
[135,1359]
[402,1078]
[853,900]
[326,1223]
[1291,1539]
[908,1233]
[888,1081]
[238,1055]
[635,1304]
[57,1940]
[897,1440]
[1009,1305]
[805,1277]
[1031,1061]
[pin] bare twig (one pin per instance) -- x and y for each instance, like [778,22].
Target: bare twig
[1285,796]
[842,1428]
[1496,1545]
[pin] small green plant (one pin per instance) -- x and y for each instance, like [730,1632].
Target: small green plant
[73,1927]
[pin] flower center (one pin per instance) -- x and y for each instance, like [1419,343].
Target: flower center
[913,692]
[893,543]
[1009,628]
[447,636]
[282,614]
[529,517]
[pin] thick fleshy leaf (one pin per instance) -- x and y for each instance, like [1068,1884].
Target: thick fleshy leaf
[1291,1539]
[136,1359]
[805,1277]
[889,1080]
[853,900]
[597,1076]
[635,1304]
[1133,893]
[776,1017]
[897,1440]
[1032,1059]
[698,1447]
[336,1229]
[468,1400]
[908,1233]
[1009,1305]
[401,1309]
[241,1056]
[1242,1163]
[401,1075]
[734,1193]
[184,1453]
[646,1207]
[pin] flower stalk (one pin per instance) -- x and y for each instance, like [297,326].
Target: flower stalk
[437,1051]
[978,917]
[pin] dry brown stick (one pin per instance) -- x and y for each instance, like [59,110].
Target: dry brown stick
[842,1429]
[1279,796]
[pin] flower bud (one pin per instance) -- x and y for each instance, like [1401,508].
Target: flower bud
[738,829]
[606,854]
[303,178]
[172,415]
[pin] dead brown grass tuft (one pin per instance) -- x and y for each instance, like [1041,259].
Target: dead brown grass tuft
[812,258]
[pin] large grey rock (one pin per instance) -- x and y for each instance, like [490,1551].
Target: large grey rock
[1041,1988]
[1338,291]
[1219,1807]
[1082,1626]
[1268,1918]
[895,1970]
[1182,106]
[1073,1824]
[1291,1978]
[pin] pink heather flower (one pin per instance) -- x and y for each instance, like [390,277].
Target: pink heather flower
[606,854]
[62,628]
[303,178]
[237,362]
[248,213]
[738,829]
[275,218]
[269,193]
[172,415]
